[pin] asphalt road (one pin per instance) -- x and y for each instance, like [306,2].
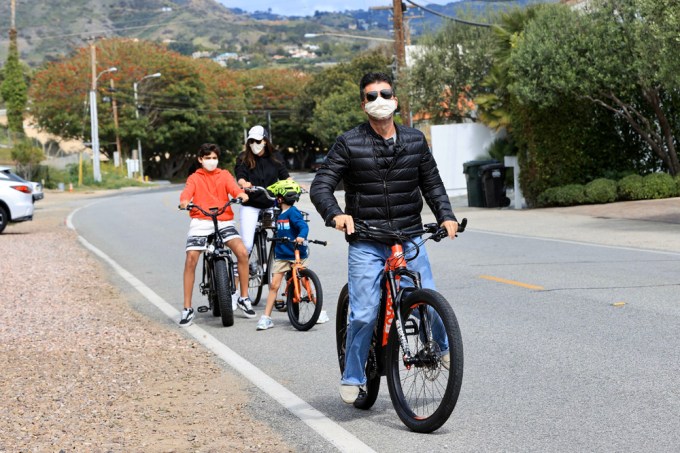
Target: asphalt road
[568,346]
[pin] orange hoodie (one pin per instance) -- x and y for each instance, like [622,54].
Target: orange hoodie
[210,190]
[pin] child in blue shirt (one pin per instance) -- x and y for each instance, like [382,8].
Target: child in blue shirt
[290,224]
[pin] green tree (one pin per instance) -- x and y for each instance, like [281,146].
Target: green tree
[495,104]
[337,113]
[13,87]
[448,75]
[191,103]
[27,158]
[617,56]
[341,82]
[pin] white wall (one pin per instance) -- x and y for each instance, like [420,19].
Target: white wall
[454,144]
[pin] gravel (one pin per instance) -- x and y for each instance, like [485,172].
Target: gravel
[82,371]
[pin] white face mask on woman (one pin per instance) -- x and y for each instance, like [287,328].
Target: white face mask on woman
[381,108]
[209,164]
[257,148]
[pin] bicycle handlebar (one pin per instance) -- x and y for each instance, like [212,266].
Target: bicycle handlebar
[284,239]
[438,233]
[266,192]
[212,212]
[254,189]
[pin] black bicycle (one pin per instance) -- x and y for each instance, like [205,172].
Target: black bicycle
[261,258]
[424,382]
[218,280]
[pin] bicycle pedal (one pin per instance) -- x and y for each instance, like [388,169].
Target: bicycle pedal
[202,309]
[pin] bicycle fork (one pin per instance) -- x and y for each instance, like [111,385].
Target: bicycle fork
[394,269]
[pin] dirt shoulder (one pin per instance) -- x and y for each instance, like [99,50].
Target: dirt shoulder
[82,371]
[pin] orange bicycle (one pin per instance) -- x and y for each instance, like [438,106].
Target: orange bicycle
[423,381]
[303,293]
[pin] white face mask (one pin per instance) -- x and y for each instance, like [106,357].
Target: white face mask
[257,148]
[209,164]
[381,108]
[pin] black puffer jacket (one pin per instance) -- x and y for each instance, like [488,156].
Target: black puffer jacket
[385,191]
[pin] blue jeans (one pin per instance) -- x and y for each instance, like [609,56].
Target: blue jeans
[366,262]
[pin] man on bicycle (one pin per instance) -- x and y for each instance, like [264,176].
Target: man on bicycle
[387,169]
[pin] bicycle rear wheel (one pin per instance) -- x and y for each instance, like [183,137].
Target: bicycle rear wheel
[256,267]
[223,289]
[425,393]
[372,372]
[304,313]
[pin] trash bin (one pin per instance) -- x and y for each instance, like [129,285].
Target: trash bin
[473,177]
[493,185]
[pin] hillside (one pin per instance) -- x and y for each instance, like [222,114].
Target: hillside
[49,30]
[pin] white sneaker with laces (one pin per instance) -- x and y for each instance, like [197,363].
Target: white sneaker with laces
[234,302]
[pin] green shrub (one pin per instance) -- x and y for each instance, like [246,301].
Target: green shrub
[651,186]
[677,186]
[600,190]
[569,195]
[659,185]
[631,187]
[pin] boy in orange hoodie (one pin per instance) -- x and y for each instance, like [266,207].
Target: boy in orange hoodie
[207,187]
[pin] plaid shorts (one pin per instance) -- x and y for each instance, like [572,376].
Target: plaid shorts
[200,229]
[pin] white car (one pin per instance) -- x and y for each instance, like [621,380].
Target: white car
[16,198]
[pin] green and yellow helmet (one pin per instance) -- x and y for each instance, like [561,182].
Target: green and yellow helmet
[287,189]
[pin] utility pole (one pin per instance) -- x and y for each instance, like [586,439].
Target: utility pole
[114,107]
[407,27]
[398,9]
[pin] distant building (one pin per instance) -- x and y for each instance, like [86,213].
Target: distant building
[202,54]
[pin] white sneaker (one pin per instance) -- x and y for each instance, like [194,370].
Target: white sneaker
[323,317]
[187,317]
[446,360]
[234,302]
[265,323]
[349,393]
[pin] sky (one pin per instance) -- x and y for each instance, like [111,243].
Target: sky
[307,7]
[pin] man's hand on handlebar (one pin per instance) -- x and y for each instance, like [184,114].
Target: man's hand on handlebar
[451,228]
[184,204]
[243,196]
[344,222]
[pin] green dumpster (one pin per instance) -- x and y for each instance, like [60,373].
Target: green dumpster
[473,178]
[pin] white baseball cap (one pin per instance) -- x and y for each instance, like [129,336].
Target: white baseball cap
[257,133]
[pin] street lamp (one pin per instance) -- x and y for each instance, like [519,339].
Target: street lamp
[94,122]
[139,143]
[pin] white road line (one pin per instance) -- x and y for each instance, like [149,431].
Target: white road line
[342,439]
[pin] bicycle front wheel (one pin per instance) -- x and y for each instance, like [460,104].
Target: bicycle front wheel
[304,313]
[424,391]
[223,289]
[256,268]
